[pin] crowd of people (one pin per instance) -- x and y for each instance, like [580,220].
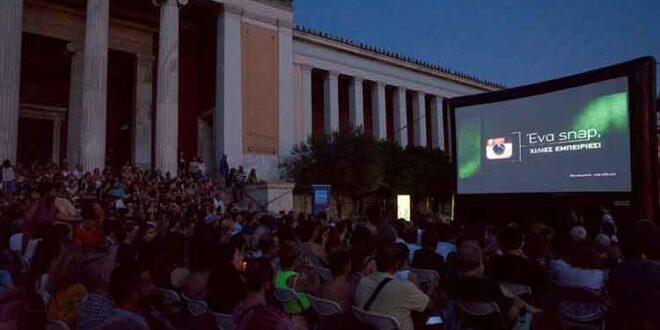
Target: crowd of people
[110,249]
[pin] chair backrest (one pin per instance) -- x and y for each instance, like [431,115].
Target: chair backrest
[325,307]
[16,243]
[478,308]
[195,307]
[170,297]
[30,249]
[581,304]
[56,325]
[224,321]
[515,290]
[285,294]
[324,273]
[427,277]
[379,321]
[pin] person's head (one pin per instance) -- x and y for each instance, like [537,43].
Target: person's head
[6,163]
[470,258]
[362,237]
[388,258]
[47,191]
[340,263]
[578,233]
[635,239]
[585,256]
[430,239]
[653,250]
[539,241]
[147,233]
[511,237]
[268,245]
[289,255]
[231,255]
[259,275]
[308,231]
[130,285]
[91,210]
[239,242]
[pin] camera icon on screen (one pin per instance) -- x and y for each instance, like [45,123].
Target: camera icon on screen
[499,148]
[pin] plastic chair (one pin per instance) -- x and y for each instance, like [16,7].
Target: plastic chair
[379,321]
[513,290]
[581,308]
[324,273]
[478,315]
[30,249]
[329,312]
[224,321]
[170,297]
[195,307]
[285,295]
[16,243]
[56,325]
[427,277]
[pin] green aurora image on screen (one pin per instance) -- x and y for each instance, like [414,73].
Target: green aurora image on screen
[607,113]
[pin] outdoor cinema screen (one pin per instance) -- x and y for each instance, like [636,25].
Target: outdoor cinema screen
[570,140]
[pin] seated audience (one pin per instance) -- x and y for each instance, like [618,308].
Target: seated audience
[339,289]
[427,257]
[395,298]
[226,286]
[513,265]
[253,311]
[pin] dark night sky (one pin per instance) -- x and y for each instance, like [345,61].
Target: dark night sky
[512,42]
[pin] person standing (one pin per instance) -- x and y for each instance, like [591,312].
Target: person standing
[8,177]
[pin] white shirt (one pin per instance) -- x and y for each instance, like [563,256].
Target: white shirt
[445,248]
[566,275]
[8,174]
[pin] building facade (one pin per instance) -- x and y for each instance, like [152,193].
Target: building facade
[103,83]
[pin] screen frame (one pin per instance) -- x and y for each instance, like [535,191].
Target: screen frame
[640,74]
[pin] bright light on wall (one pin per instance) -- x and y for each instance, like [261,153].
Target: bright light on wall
[403,207]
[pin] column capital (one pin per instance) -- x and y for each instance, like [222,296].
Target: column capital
[380,84]
[180,3]
[145,57]
[73,47]
[333,75]
[357,79]
[306,67]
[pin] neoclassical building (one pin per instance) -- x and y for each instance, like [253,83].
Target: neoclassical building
[105,82]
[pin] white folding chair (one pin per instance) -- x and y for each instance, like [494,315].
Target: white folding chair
[284,295]
[224,321]
[512,290]
[380,321]
[330,312]
[16,243]
[56,325]
[324,273]
[427,277]
[170,297]
[195,307]
[30,249]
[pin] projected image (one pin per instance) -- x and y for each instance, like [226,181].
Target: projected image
[573,140]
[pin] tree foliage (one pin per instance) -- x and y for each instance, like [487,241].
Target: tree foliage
[357,166]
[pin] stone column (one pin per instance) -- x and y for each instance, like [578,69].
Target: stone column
[356,105]
[228,114]
[167,106]
[95,84]
[419,118]
[378,110]
[11,29]
[73,128]
[400,119]
[307,100]
[57,129]
[141,132]
[437,123]
[286,130]
[331,102]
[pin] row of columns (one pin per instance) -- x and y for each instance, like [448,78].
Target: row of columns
[378,101]
[86,134]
